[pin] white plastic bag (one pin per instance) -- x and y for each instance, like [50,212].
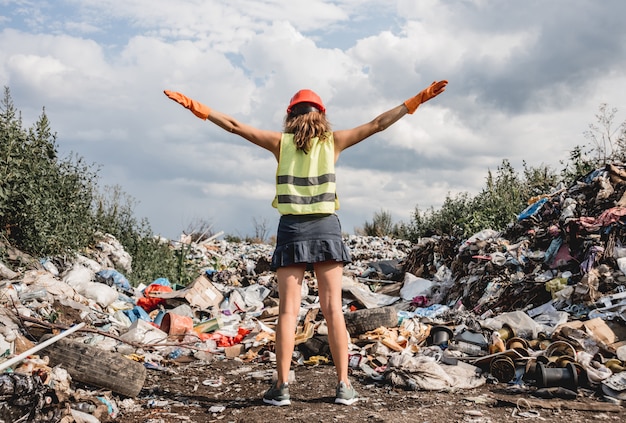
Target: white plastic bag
[621,263]
[78,275]
[99,292]
[522,324]
[414,286]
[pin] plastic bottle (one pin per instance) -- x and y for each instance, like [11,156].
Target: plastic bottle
[158,403]
[81,416]
[85,407]
[40,294]
[174,354]
[49,266]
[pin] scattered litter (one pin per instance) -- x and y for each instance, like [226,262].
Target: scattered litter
[540,305]
[523,409]
[214,383]
[216,409]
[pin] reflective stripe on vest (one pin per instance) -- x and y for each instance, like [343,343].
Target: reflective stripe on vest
[305,183]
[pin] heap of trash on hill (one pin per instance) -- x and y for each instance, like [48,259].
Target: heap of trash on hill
[542,303]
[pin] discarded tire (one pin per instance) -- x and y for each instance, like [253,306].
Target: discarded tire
[91,365]
[361,321]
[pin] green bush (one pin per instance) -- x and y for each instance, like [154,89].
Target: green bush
[153,257]
[454,218]
[45,201]
[51,206]
[381,225]
[506,193]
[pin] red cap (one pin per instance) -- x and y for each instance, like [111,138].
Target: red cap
[306,96]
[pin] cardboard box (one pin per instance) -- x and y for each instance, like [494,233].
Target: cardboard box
[200,293]
[234,350]
[595,327]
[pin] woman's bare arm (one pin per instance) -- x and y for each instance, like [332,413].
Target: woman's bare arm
[349,137]
[269,140]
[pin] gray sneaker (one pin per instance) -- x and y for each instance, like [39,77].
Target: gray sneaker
[346,395]
[277,395]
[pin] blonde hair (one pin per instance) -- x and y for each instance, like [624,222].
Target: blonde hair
[306,127]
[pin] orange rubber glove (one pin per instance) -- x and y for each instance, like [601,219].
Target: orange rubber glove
[196,107]
[433,90]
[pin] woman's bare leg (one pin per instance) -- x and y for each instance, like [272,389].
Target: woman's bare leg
[290,281]
[329,275]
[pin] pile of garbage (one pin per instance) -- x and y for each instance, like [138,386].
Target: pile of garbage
[541,305]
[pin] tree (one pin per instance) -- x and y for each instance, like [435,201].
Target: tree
[261,229]
[504,195]
[607,144]
[381,225]
[45,201]
[540,179]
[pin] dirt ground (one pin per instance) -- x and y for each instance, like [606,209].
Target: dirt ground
[231,390]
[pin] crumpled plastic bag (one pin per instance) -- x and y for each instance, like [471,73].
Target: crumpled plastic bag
[523,325]
[483,235]
[102,294]
[424,373]
[149,303]
[550,320]
[414,286]
[115,252]
[78,275]
[37,279]
[621,263]
[81,279]
[596,372]
[532,209]
[615,386]
[113,278]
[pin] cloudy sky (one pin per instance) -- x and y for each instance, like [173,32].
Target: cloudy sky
[525,81]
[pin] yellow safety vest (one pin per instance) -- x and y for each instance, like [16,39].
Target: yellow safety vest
[305,182]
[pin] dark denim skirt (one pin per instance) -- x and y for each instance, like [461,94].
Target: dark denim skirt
[308,239]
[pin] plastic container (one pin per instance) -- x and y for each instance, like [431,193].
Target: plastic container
[81,416]
[209,325]
[566,377]
[85,407]
[467,348]
[176,325]
[441,334]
